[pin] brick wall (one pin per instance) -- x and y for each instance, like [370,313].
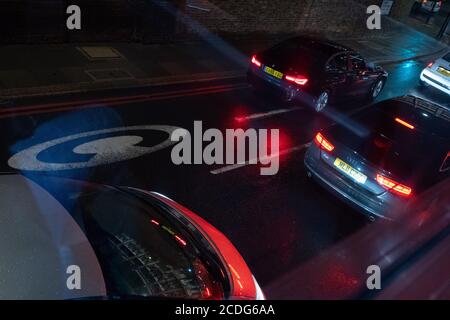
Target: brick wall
[20,20]
[23,21]
[34,21]
[345,17]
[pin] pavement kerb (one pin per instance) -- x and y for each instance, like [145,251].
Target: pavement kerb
[153,82]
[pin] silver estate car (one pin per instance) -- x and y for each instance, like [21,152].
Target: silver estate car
[383,157]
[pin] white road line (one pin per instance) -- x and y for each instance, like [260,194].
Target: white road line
[246,163]
[267,114]
[198,8]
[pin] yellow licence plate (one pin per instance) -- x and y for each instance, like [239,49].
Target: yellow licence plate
[444,71]
[272,72]
[347,169]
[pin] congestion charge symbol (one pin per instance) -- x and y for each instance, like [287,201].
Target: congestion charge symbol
[104,151]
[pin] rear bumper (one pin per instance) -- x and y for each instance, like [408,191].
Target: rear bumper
[277,87]
[436,81]
[381,206]
[267,84]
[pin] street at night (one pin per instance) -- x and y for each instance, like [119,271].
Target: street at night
[120,133]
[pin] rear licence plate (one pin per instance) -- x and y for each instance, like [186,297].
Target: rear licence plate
[272,72]
[351,172]
[444,71]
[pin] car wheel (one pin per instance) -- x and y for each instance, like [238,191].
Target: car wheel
[322,101]
[377,88]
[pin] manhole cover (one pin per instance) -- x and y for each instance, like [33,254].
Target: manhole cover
[109,74]
[95,53]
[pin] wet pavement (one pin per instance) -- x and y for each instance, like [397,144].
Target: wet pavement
[42,69]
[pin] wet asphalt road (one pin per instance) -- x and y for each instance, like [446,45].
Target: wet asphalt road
[276,222]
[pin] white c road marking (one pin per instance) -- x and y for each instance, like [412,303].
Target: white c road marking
[104,151]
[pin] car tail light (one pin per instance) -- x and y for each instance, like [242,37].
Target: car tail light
[256,62]
[404,123]
[300,80]
[430,64]
[323,143]
[394,186]
[180,240]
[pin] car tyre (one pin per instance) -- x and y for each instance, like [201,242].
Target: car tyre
[377,88]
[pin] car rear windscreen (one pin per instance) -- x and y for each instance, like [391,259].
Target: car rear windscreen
[299,53]
[396,139]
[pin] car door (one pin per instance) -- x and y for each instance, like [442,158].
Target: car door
[360,77]
[336,70]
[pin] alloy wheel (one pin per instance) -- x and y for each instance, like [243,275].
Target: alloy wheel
[322,101]
[377,89]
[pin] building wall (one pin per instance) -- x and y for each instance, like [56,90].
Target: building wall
[34,21]
[346,17]
[29,21]
[402,8]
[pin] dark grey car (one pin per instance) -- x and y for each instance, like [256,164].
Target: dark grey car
[383,157]
[315,71]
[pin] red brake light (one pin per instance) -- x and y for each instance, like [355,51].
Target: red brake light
[323,143]
[181,241]
[430,64]
[256,62]
[301,80]
[394,186]
[404,123]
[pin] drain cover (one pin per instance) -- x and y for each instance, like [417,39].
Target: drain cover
[95,53]
[109,74]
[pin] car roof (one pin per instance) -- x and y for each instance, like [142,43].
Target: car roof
[438,117]
[326,46]
[382,134]
[429,119]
